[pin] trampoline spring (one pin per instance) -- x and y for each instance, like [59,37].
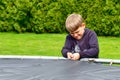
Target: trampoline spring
[111,63]
[91,60]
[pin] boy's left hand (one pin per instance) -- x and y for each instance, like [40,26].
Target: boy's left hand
[76,56]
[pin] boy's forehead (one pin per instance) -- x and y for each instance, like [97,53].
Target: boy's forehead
[77,30]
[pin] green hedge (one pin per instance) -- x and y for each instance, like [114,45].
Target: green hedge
[48,16]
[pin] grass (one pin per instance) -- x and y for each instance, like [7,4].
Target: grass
[31,44]
[109,47]
[50,45]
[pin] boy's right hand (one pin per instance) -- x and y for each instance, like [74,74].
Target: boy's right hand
[69,55]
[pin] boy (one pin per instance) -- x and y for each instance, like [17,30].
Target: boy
[80,42]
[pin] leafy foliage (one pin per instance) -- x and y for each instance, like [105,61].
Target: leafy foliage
[48,16]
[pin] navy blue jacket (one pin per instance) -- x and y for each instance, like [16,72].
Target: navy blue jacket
[88,45]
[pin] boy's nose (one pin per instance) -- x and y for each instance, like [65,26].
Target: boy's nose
[75,35]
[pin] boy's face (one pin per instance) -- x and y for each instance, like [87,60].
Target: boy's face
[78,34]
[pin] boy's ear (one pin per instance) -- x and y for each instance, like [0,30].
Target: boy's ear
[83,25]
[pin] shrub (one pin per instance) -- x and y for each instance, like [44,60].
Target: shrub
[48,16]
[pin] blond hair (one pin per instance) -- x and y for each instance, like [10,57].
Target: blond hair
[73,22]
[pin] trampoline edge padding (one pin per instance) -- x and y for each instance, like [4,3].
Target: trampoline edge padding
[29,57]
[97,60]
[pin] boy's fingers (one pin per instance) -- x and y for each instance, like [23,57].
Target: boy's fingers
[69,55]
[76,56]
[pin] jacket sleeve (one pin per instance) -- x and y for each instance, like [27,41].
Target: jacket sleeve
[67,47]
[93,51]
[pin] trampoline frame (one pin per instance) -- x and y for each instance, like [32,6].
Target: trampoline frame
[19,67]
[97,60]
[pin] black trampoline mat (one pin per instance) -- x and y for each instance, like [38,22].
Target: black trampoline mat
[55,69]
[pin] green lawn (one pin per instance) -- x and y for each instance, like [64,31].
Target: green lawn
[50,45]
[109,47]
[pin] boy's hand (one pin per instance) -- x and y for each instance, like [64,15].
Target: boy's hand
[74,56]
[69,55]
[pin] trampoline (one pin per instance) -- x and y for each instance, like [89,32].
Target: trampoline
[54,68]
